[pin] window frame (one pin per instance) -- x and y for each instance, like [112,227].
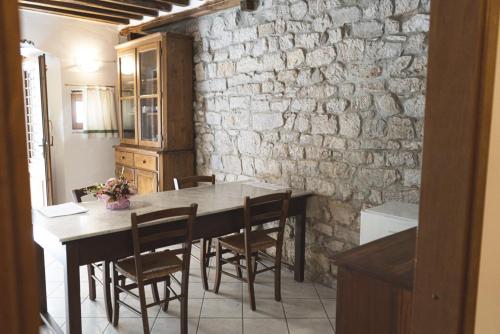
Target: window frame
[76,96]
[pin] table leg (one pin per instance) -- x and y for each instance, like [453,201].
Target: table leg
[106,279]
[300,241]
[41,278]
[72,287]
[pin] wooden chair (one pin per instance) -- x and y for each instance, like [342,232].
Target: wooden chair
[151,268]
[205,244]
[255,239]
[102,267]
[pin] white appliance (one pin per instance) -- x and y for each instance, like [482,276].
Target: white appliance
[387,219]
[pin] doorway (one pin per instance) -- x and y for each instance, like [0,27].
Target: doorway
[38,130]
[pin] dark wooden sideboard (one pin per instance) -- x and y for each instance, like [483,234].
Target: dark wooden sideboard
[374,286]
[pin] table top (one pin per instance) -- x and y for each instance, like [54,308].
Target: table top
[211,199]
[391,259]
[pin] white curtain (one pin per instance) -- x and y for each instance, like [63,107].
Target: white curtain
[100,113]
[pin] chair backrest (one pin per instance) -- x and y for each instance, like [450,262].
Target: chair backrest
[265,209]
[180,231]
[78,194]
[192,181]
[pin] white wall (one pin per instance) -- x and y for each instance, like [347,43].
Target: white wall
[78,160]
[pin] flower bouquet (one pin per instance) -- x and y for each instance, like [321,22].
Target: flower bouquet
[115,192]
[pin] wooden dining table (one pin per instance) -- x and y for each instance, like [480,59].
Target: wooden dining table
[104,235]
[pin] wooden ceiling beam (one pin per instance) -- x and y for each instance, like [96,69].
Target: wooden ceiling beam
[182,3]
[118,6]
[209,7]
[81,8]
[74,14]
[151,4]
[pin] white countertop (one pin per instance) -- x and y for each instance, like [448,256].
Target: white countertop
[99,220]
[397,210]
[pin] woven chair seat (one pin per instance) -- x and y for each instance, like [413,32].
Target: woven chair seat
[154,265]
[259,242]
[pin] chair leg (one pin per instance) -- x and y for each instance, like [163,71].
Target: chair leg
[218,267]
[238,268]
[106,290]
[204,261]
[90,273]
[254,266]
[250,279]
[154,290]
[116,294]
[209,248]
[167,295]
[277,282]
[144,310]
[184,306]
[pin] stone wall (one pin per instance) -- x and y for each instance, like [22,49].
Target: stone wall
[324,95]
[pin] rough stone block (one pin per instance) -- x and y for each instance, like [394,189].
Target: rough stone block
[387,105]
[267,121]
[350,125]
[320,57]
[417,23]
[324,124]
[232,164]
[341,16]
[367,29]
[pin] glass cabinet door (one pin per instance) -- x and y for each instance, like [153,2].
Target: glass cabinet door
[149,95]
[127,69]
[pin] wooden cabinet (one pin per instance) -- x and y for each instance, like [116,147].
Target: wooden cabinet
[155,110]
[146,182]
[153,170]
[374,286]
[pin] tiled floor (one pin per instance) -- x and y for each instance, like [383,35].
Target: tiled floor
[305,307]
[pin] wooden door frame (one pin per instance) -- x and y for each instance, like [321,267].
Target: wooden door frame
[19,304]
[457,118]
[48,140]
[462,56]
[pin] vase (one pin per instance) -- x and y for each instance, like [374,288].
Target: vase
[121,204]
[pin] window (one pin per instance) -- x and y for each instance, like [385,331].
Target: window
[77,111]
[28,77]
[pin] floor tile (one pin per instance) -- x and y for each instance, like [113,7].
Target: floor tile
[173,326]
[54,272]
[225,278]
[195,290]
[50,287]
[219,326]
[330,307]
[303,308]
[221,308]
[309,326]
[56,307]
[261,290]
[128,326]
[325,292]
[297,290]
[174,309]
[260,326]
[134,302]
[94,309]
[265,308]
[60,291]
[227,290]
[92,325]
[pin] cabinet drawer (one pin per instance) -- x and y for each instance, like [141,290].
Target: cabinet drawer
[128,173]
[124,158]
[145,161]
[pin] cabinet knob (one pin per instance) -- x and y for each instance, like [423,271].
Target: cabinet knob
[143,161]
[123,157]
